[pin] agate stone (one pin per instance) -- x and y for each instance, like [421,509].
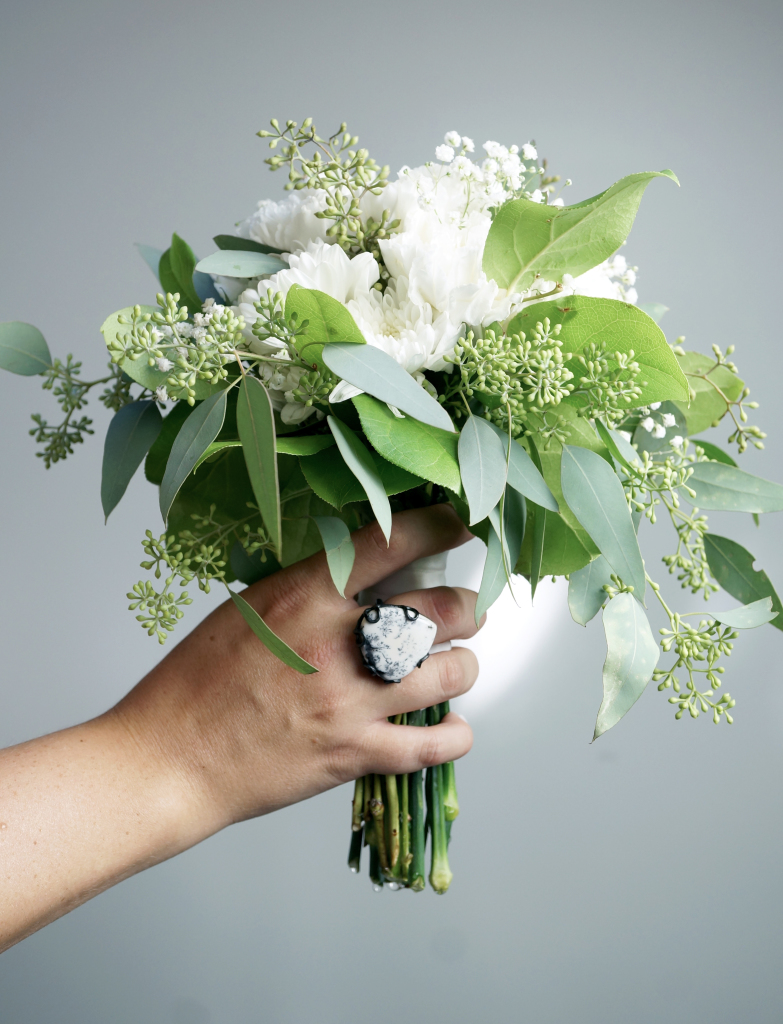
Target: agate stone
[394,640]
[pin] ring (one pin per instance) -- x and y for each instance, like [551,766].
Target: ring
[393,640]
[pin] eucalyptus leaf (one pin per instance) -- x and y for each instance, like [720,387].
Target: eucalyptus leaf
[155,463]
[725,488]
[151,257]
[707,406]
[748,616]
[328,322]
[529,240]
[514,518]
[309,444]
[586,594]
[493,578]
[333,482]
[625,454]
[23,349]
[132,431]
[183,263]
[618,327]
[713,452]
[240,263]
[376,373]
[631,656]
[196,434]
[596,497]
[340,553]
[428,452]
[655,310]
[645,440]
[523,475]
[625,448]
[360,462]
[482,463]
[237,244]
[256,425]
[563,551]
[732,567]
[271,640]
[215,448]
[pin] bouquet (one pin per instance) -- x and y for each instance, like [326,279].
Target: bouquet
[456,334]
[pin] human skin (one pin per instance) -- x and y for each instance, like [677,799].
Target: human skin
[221,731]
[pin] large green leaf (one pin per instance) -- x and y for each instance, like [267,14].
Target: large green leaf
[523,474]
[308,444]
[196,434]
[244,244]
[707,407]
[372,370]
[155,463]
[340,553]
[631,656]
[256,424]
[529,240]
[23,349]
[493,578]
[131,433]
[586,594]
[724,488]
[563,551]
[428,452]
[240,263]
[618,327]
[328,322]
[183,263]
[271,640]
[595,495]
[361,464]
[749,616]
[482,463]
[713,452]
[732,567]
[331,479]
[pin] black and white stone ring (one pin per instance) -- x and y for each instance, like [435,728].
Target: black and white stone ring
[394,640]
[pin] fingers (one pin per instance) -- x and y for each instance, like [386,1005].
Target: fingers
[397,749]
[442,677]
[452,609]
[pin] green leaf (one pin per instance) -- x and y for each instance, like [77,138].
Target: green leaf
[197,433]
[493,578]
[646,442]
[360,463]
[563,551]
[183,263]
[586,594]
[707,408]
[713,452]
[328,321]
[748,616]
[168,280]
[529,240]
[256,425]
[151,257]
[514,521]
[620,449]
[631,656]
[250,569]
[655,310]
[309,444]
[732,567]
[214,448]
[725,488]
[482,464]
[271,640]
[340,553]
[236,244]
[617,326]
[240,263]
[131,433]
[523,474]
[595,495]
[376,373]
[629,454]
[155,464]
[332,480]
[428,452]
[23,349]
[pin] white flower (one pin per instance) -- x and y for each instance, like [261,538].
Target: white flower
[648,423]
[468,144]
[557,202]
[164,364]
[445,154]
[669,419]
[625,433]
[677,441]
[161,394]
[655,405]
[529,152]
[290,224]
[659,431]
[537,195]
[452,139]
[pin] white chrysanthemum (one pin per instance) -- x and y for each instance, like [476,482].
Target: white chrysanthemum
[289,224]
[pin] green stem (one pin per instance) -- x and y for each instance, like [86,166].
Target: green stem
[376,877]
[418,836]
[450,799]
[358,805]
[393,819]
[376,808]
[440,872]
[355,852]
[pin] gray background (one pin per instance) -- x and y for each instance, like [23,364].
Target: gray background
[635,880]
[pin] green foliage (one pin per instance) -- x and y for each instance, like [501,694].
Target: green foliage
[176,266]
[131,433]
[530,241]
[323,321]
[713,388]
[717,486]
[732,566]
[714,453]
[330,477]
[376,373]
[240,263]
[361,464]
[586,590]
[340,553]
[749,616]
[645,440]
[595,495]
[256,424]
[631,657]
[309,444]
[482,464]
[428,452]
[23,349]
[523,475]
[158,456]
[196,434]
[237,244]
[269,639]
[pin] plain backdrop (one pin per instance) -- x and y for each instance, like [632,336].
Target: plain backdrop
[638,879]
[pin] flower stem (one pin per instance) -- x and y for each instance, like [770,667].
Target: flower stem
[393,818]
[355,852]
[440,872]
[418,837]
[376,809]
[358,805]
[450,799]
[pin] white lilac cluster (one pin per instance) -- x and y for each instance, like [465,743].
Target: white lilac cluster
[434,284]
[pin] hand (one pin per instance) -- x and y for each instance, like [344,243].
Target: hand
[221,730]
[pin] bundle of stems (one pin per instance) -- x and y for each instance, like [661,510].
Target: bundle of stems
[391,817]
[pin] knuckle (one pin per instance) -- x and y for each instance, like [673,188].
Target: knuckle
[431,751]
[447,606]
[451,675]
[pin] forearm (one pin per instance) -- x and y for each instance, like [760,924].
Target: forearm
[79,811]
